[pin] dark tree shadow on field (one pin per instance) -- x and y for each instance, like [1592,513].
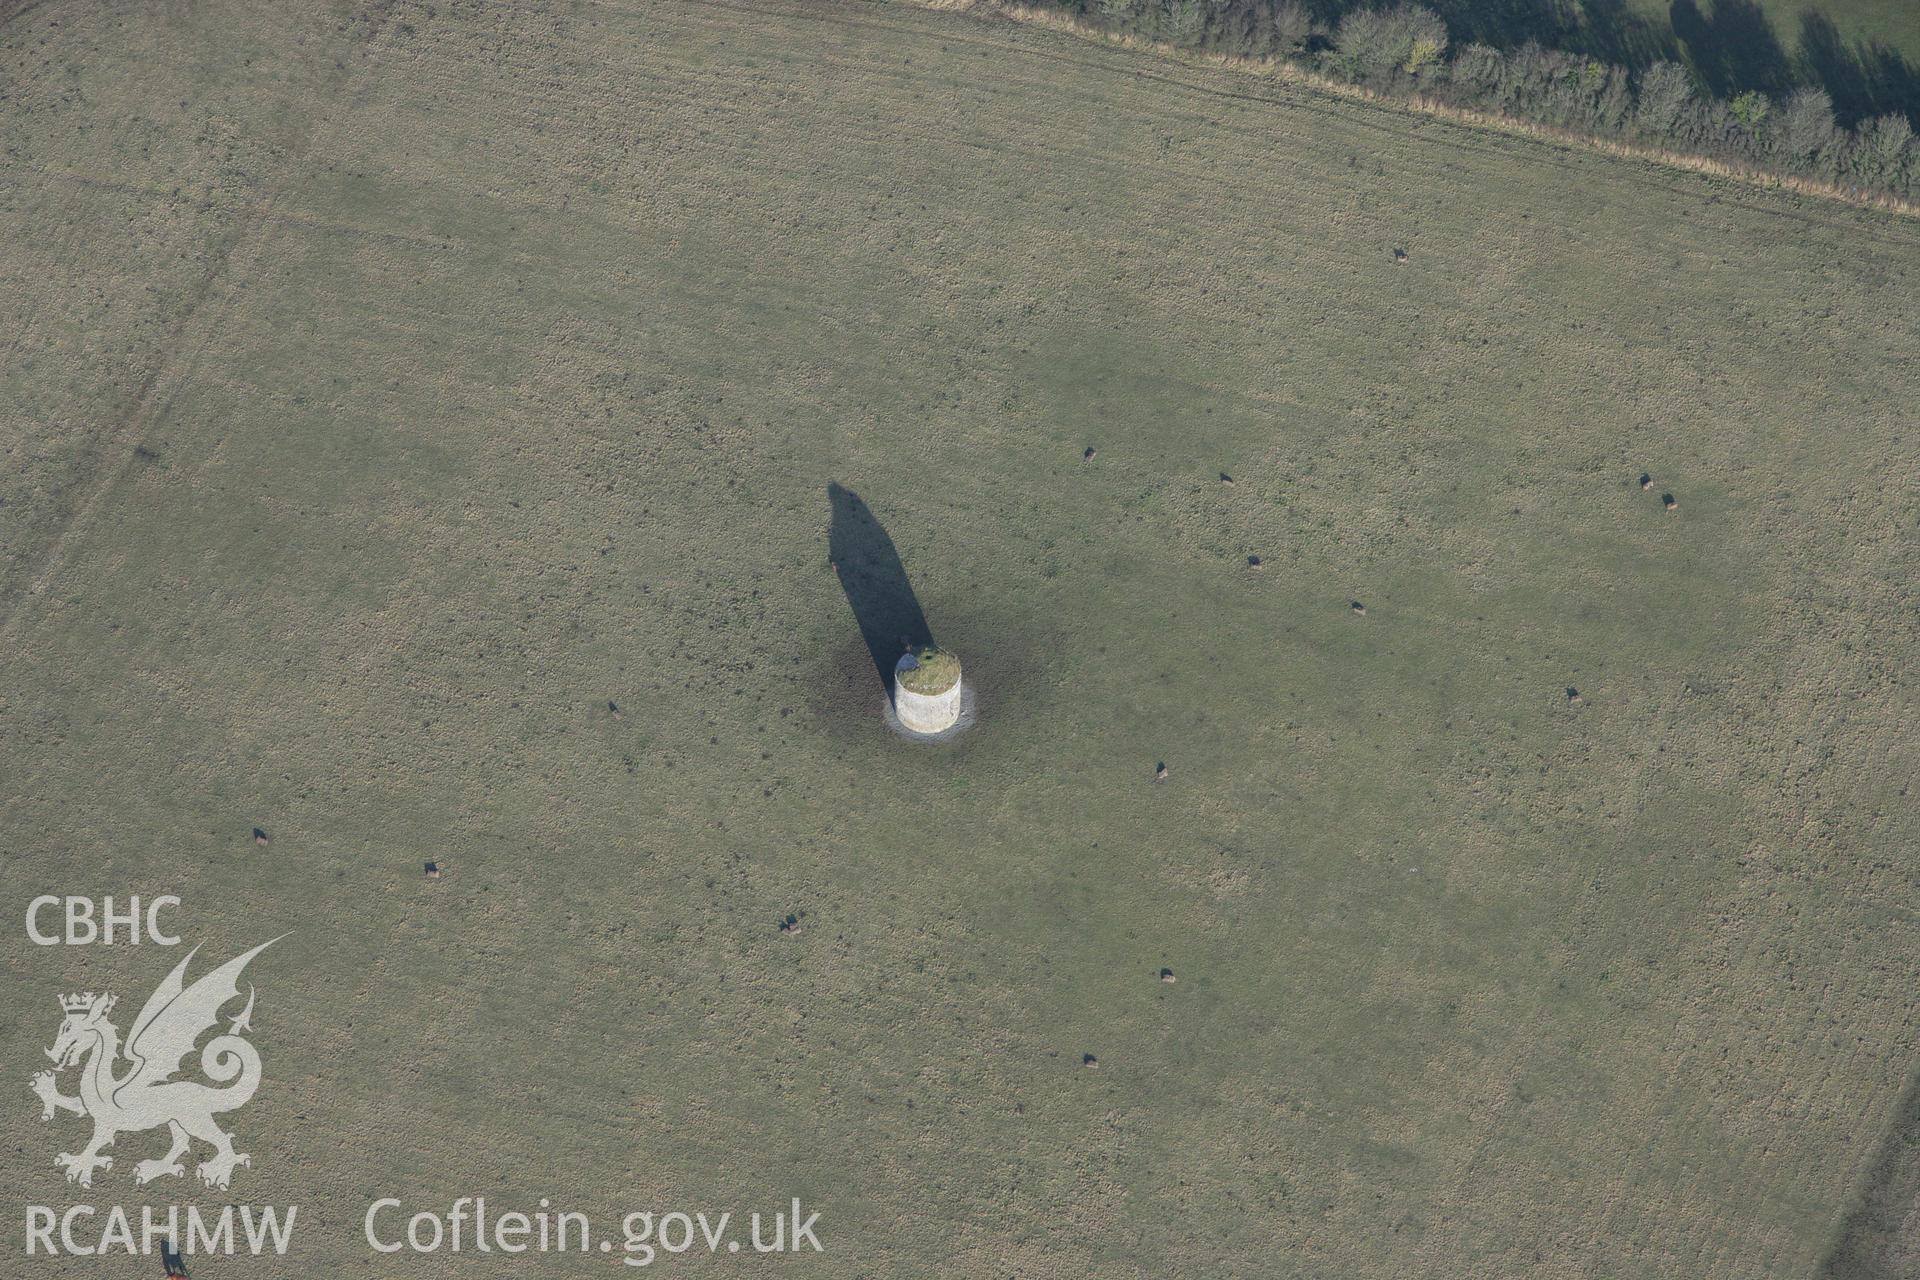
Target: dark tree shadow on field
[1607,29]
[1880,1239]
[1612,32]
[1863,80]
[875,582]
[1732,47]
[1508,23]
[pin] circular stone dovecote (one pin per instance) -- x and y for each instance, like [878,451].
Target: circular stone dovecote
[927,690]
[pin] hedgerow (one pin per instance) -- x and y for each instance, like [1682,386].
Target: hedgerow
[1405,51]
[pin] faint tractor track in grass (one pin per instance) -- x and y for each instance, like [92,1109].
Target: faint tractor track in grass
[125,439]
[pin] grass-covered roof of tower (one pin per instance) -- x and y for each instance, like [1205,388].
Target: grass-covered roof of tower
[934,671]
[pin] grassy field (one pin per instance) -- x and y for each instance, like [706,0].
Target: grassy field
[391,396]
[1746,34]
[1864,53]
[1894,24]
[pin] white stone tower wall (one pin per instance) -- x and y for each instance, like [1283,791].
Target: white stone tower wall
[927,712]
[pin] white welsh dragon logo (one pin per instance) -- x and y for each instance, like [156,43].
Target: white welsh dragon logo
[145,1096]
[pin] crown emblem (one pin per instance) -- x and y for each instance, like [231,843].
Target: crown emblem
[82,1001]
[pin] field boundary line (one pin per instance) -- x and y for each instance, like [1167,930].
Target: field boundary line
[185,340]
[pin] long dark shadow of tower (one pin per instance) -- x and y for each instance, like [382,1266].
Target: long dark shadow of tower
[875,581]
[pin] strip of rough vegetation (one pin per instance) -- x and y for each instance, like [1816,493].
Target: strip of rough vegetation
[1402,54]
